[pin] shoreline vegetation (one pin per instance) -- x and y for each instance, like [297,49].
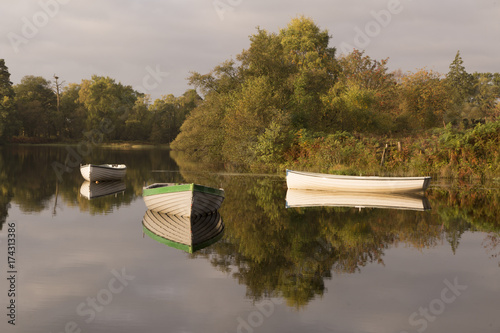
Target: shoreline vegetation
[117,144]
[289,101]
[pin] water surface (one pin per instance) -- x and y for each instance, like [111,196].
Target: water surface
[86,265]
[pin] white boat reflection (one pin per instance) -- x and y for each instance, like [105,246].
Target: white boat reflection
[188,234]
[91,190]
[310,198]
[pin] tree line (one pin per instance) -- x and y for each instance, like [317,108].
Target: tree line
[42,110]
[257,109]
[291,85]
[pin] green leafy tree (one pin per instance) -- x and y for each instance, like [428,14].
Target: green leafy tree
[138,123]
[313,69]
[246,120]
[424,99]
[485,95]
[276,86]
[460,83]
[7,107]
[265,57]
[348,107]
[73,112]
[105,99]
[36,106]
[201,136]
[363,98]
[169,113]
[221,80]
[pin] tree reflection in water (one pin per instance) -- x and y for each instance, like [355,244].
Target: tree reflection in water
[279,252]
[274,251]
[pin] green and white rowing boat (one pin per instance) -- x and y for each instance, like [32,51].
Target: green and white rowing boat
[182,199]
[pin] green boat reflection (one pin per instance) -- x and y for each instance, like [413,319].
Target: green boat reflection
[188,234]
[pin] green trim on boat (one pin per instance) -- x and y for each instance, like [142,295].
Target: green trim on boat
[182,188]
[209,190]
[167,189]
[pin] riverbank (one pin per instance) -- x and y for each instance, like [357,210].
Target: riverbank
[447,152]
[112,144]
[450,152]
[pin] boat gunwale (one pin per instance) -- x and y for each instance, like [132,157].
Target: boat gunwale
[105,166]
[156,188]
[347,177]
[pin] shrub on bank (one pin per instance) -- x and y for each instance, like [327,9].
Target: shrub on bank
[446,152]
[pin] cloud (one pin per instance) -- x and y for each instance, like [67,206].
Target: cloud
[121,39]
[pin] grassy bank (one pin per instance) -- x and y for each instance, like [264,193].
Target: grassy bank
[449,152]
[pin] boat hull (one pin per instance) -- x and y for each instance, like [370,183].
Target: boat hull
[182,199]
[103,172]
[185,233]
[325,182]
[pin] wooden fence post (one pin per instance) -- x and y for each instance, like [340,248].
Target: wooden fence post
[383,155]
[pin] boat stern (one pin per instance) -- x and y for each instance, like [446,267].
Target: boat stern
[427,182]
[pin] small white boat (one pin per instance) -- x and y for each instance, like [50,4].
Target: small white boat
[311,198]
[96,190]
[182,199]
[185,233]
[103,172]
[326,182]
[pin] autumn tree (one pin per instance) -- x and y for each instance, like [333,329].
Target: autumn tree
[313,69]
[275,88]
[424,100]
[362,99]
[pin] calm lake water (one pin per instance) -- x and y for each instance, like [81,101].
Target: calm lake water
[80,265]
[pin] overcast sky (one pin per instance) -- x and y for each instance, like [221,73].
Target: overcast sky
[152,45]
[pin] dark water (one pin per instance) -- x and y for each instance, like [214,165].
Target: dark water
[81,265]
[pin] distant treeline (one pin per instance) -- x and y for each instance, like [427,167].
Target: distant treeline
[38,110]
[262,109]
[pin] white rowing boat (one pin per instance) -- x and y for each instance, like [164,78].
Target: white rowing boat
[182,199]
[103,172]
[326,182]
[311,198]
